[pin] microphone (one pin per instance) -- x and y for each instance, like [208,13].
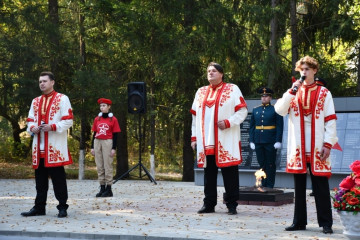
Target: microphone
[295,89]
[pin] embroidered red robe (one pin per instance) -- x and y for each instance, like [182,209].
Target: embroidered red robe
[54,109]
[212,104]
[311,125]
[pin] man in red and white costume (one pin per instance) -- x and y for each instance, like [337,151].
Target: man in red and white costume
[218,110]
[50,117]
[311,135]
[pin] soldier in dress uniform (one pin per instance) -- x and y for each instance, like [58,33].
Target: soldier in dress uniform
[266,129]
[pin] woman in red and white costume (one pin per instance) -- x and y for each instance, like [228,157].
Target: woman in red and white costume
[311,135]
[105,127]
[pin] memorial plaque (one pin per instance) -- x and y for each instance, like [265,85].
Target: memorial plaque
[284,139]
[341,138]
[352,139]
[349,156]
[336,160]
[254,162]
[283,159]
[341,121]
[286,117]
[353,121]
[246,156]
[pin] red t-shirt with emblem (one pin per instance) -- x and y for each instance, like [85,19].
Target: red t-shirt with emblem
[105,127]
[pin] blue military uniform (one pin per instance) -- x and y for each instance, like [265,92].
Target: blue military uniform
[266,128]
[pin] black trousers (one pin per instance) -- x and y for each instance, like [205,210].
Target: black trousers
[266,157]
[58,179]
[322,199]
[231,183]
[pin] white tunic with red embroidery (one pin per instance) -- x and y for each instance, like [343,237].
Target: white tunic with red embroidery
[311,125]
[59,115]
[213,104]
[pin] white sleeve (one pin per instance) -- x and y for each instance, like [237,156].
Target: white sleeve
[282,105]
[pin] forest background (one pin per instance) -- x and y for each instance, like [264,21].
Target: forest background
[96,47]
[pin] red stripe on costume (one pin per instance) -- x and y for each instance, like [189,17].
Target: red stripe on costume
[327,145]
[30,120]
[68,117]
[241,105]
[227,123]
[193,139]
[193,112]
[330,117]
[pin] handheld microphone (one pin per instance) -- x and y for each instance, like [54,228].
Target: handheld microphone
[302,79]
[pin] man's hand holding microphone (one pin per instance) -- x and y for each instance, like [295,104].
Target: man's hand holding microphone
[297,84]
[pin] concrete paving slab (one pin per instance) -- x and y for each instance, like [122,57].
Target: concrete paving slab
[141,210]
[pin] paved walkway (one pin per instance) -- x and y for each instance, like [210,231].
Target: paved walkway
[141,210]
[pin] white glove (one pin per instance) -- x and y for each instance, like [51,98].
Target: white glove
[277,145]
[252,146]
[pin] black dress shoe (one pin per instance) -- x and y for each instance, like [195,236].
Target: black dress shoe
[62,213]
[206,209]
[295,227]
[33,212]
[327,229]
[232,211]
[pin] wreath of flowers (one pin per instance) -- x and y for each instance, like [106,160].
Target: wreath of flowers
[347,197]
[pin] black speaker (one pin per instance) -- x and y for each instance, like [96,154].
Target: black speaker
[136,97]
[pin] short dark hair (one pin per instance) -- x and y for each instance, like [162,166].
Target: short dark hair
[50,74]
[217,67]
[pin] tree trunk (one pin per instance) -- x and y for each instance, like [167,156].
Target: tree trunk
[53,7]
[273,74]
[294,36]
[152,134]
[83,116]
[188,76]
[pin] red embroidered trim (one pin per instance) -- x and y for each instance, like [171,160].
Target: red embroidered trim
[291,92]
[53,127]
[227,123]
[193,139]
[69,117]
[241,105]
[210,151]
[34,157]
[294,107]
[320,103]
[55,105]
[330,117]
[55,155]
[30,120]
[201,159]
[295,161]
[226,91]
[328,145]
[193,112]
[320,165]
[224,156]
[201,96]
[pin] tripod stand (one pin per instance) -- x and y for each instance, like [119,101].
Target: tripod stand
[139,164]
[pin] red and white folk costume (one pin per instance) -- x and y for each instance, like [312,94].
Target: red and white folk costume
[212,104]
[311,125]
[54,109]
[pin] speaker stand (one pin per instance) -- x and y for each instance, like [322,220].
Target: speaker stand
[139,164]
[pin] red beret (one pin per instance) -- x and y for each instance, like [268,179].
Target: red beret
[104,100]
